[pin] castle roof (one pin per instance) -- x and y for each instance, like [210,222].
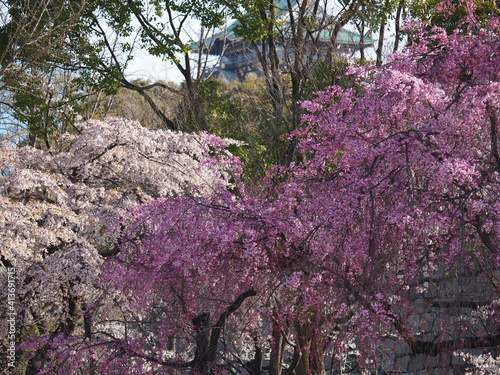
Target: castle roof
[228,35]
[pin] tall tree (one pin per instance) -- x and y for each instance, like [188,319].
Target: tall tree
[92,45]
[164,31]
[33,31]
[291,39]
[454,14]
[32,39]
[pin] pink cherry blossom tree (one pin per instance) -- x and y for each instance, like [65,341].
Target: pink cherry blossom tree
[56,205]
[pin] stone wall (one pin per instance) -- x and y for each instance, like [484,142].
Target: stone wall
[451,307]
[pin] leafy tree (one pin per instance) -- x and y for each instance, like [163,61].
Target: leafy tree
[91,44]
[454,14]
[164,32]
[31,32]
[294,42]
[243,111]
[47,102]
[32,36]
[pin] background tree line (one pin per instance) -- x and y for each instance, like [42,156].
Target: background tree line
[66,58]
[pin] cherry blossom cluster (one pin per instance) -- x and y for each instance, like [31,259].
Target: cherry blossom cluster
[397,189]
[56,206]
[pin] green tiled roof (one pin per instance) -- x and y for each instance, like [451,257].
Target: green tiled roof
[344,36]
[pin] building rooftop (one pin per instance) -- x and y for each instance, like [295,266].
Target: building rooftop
[228,34]
[238,59]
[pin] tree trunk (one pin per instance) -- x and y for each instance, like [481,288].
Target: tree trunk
[401,6]
[202,338]
[207,337]
[362,33]
[277,351]
[380,47]
[310,345]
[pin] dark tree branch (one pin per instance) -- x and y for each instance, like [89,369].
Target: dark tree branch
[217,327]
[142,90]
[494,134]
[432,348]
[207,338]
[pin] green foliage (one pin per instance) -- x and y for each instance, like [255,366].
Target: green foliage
[131,105]
[428,11]
[162,23]
[37,94]
[325,75]
[243,111]
[47,103]
[375,12]
[255,19]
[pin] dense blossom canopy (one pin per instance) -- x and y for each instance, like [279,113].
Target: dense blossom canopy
[398,186]
[56,205]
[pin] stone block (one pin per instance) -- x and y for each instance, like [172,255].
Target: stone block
[401,364]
